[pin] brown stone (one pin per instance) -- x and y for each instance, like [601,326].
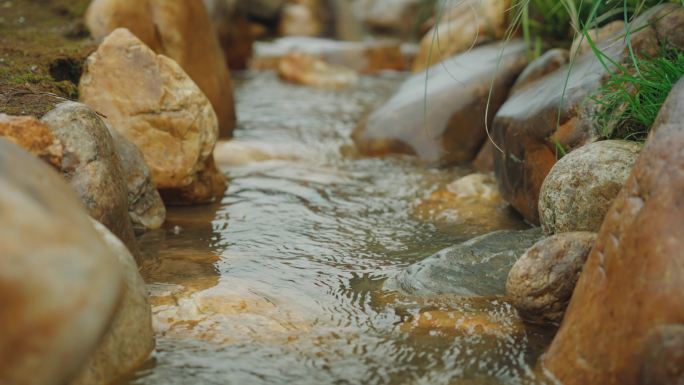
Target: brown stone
[32,135]
[308,70]
[59,283]
[484,161]
[528,126]
[233,30]
[299,20]
[663,357]
[547,63]
[633,280]
[208,186]
[181,30]
[443,119]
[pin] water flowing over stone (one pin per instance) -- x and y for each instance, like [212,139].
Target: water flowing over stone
[181,30]
[461,269]
[528,127]
[633,280]
[60,282]
[580,187]
[170,120]
[93,168]
[442,118]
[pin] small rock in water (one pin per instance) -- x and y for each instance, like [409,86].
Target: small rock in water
[541,282]
[580,188]
[478,267]
[308,70]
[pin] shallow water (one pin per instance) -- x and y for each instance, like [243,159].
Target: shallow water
[281,282]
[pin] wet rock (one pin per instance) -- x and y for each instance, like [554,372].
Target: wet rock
[611,33]
[478,267]
[170,119]
[60,283]
[299,20]
[463,25]
[445,122]
[364,57]
[230,19]
[92,166]
[528,126]
[180,30]
[208,187]
[580,188]
[541,282]
[456,322]
[130,338]
[145,206]
[32,135]
[633,280]
[484,160]
[241,152]
[397,17]
[663,357]
[472,204]
[547,63]
[308,70]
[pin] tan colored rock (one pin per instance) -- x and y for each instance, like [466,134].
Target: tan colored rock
[484,160]
[299,20]
[32,135]
[541,282]
[93,168]
[457,322]
[443,119]
[310,71]
[241,152]
[130,338]
[465,25]
[181,30]
[633,280]
[471,204]
[208,187]
[581,187]
[59,283]
[663,357]
[169,119]
[145,207]
[528,127]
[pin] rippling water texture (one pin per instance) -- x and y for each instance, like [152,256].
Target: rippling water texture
[281,282]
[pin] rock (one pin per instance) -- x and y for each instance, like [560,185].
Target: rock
[33,136]
[528,127]
[308,70]
[299,20]
[484,160]
[461,27]
[472,204]
[130,338]
[611,32]
[170,120]
[208,187]
[60,283]
[478,267]
[633,279]
[442,119]
[240,152]
[180,30]
[267,10]
[663,357]
[456,322]
[92,166]
[230,19]
[547,63]
[364,57]
[145,206]
[541,282]
[397,17]
[581,187]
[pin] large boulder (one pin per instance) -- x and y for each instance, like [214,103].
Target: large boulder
[169,118]
[633,280]
[478,267]
[130,337]
[580,188]
[461,25]
[181,30]
[541,282]
[60,284]
[93,168]
[528,126]
[233,30]
[443,119]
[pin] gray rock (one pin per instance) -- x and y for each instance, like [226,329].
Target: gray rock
[478,267]
[541,282]
[145,207]
[92,167]
[59,283]
[580,188]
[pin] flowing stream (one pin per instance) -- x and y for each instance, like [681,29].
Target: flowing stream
[281,283]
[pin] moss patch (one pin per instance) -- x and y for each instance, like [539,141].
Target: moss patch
[43,45]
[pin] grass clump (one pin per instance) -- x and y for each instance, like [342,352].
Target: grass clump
[629,101]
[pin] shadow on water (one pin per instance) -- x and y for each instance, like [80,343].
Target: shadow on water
[282,281]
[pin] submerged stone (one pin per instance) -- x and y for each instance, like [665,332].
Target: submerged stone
[478,267]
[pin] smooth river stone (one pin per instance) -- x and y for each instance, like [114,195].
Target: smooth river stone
[441,119]
[478,267]
[59,282]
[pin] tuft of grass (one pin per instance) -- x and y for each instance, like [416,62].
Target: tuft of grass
[629,101]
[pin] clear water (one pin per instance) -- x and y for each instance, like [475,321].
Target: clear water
[281,283]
